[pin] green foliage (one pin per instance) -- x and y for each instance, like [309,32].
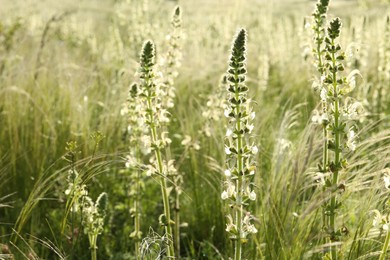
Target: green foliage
[86,61]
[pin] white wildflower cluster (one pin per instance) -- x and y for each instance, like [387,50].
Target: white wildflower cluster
[240,152]
[247,227]
[94,214]
[152,112]
[350,111]
[76,190]
[190,143]
[339,112]
[215,106]
[171,61]
[135,128]
[382,220]
[167,168]
[155,117]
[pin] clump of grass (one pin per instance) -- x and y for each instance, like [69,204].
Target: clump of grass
[240,166]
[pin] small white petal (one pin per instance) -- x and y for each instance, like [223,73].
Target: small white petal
[254,149]
[252,195]
[227,150]
[224,195]
[229,132]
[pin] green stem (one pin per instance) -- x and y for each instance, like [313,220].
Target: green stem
[177,224]
[163,181]
[137,218]
[337,154]
[93,254]
[385,246]
[325,163]
[239,182]
[92,244]
[176,229]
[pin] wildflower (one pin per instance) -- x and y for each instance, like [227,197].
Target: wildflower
[237,148]
[351,140]
[254,149]
[252,195]
[228,173]
[386,180]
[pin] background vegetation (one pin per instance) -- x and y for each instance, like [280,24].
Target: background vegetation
[65,71]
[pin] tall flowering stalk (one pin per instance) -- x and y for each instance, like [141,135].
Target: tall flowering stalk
[93,220]
[319,17]
[154,115]
[341,111]
[133,162]
[172,60]
[240,166]
[171,63]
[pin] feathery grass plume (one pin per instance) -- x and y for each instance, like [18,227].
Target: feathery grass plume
[319,17]
[240,166]
[155,115]
[342,111]
[93,220]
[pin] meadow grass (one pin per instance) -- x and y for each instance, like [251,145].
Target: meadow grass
[76,82]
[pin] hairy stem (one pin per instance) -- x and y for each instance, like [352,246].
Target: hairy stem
[337,154]
[163,181]
[239,182]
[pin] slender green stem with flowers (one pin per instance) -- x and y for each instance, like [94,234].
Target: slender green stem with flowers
[319,18]
[133,162]
[154,114]
[342,137]
[239,162]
